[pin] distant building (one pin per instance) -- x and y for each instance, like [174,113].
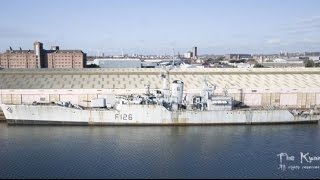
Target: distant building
[118,63]
[312,54]
[148,64]
[237,56]
[41,58]
[314,58]
[188,55]
[194,52]
[243,65]
[282,64]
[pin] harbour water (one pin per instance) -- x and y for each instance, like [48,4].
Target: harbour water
[159,152]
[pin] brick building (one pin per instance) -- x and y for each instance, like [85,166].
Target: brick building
[41,58]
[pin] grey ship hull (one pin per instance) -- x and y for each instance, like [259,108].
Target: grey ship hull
[146,115]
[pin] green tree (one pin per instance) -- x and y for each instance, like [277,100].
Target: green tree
[210,60]
[309,63]
[258,66]
[220,58]
[216,60]
[93,66]
[252,61]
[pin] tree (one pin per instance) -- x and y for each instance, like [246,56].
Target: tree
[309,63]
[252,61]
[210,60]
[220,58]
[93,66]
[258,66]
[213,61]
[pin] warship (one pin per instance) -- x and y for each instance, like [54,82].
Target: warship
[168,106]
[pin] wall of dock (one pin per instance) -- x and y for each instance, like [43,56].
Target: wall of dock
[298,98]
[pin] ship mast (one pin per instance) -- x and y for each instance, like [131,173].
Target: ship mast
[165,84]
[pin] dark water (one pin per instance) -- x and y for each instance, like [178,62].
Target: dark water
[156,152]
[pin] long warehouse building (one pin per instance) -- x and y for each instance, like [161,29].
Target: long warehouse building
[290,87]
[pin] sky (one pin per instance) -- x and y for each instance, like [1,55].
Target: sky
[162,26]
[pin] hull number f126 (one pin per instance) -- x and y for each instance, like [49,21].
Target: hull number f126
[124,117]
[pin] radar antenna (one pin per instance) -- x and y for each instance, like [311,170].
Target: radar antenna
[165,84]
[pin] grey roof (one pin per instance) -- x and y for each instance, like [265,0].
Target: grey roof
[65,51]
[20,51]
[48,51]
[269,78]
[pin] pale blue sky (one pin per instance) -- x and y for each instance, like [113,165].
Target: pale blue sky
[158,26]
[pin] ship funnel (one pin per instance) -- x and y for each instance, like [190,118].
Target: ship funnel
[177,91]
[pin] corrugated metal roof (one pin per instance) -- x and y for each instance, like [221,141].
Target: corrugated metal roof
[137,78]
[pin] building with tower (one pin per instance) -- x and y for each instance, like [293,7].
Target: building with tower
[41,58]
